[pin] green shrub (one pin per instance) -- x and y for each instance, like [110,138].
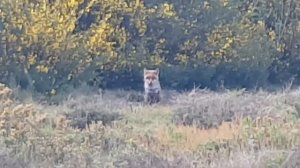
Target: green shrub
[83,111]
[206,109]
[49,46]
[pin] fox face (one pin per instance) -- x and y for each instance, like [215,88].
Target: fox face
[151,79]
[152,86]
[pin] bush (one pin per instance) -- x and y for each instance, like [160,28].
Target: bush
[35,139]
[203,109]
[83,111]
[118,39]
[206,109]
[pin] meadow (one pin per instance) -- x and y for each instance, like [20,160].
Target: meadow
[197,128]
[49,48]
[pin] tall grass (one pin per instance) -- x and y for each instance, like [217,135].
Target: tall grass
[193,129]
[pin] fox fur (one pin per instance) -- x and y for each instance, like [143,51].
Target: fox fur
[152,86]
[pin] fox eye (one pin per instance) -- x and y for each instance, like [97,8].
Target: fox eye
[151,78]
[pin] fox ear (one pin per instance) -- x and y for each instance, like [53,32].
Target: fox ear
[157,71]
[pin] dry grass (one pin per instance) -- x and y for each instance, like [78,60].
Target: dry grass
[206,109]
[186,138]
[196,129]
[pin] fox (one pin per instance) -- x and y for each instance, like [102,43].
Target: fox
[152,88]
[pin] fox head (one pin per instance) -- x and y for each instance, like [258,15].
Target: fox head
[151,78]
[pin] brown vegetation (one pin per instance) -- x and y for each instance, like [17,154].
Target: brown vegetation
[37,135]
[51,50]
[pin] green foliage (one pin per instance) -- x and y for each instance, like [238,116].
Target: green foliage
[48,44]
[83,112]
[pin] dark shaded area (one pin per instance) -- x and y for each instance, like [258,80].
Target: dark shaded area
[135,98]
[201,118]
[149,160]
[82,119]
[185,35]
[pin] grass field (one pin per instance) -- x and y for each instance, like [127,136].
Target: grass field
[200,128]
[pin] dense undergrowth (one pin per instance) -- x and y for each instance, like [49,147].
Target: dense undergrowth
[52,48]
[48,46]
[196,129]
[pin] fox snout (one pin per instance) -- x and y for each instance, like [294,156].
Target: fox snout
[150,83]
